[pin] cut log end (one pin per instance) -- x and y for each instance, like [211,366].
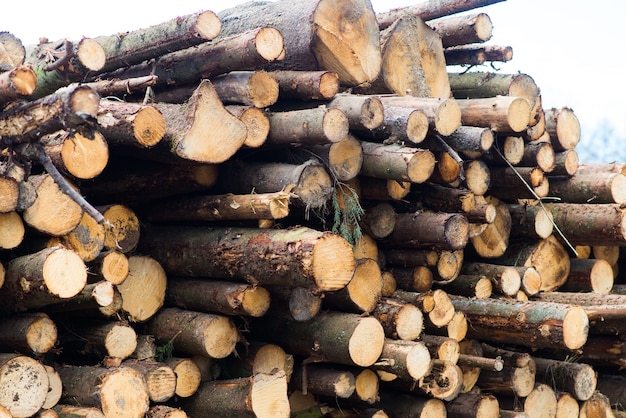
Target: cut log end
[64,273]
[421,166]
[335,125]
[24,385]
[575,327]
[333,262]
[123,392]
[148,126]
[256,301]
[269,44]
[208,25]
[41,335]
[518,114]
[91,54]
[366,342]
[448,117]
[24,80]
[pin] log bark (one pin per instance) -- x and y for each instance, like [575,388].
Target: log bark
[470,141]
[501,114]
[17,82]
[494,240]
[302,256]
[444,114]
[194,333]
[306,85]
[590,188]
[13,51]
[323,380]
[364,112]
[131,124]
[118,391]
[33,333]
[122,232]
[298,303]
[426,230]
[218,296]
[578,379]
[143,290]
[589,275]
[24,384]
[256,121]
[506,280]
[461,30]
[252,88]
[477,54]
[307,127]
[473,405]
[589,223]
[116,86]
[98,339]
[400,320]
[316,35]
[372,188]
[160,378]
[484,85]
[530,221]
[413,279]
[436,305]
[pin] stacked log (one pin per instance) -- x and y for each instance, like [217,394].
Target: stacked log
[301,210]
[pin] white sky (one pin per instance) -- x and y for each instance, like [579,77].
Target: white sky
[573,49]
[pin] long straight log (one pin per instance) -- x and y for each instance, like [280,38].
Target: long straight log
[501,113]
[307,127]
[306,85]
[444,115]
[590,188]
[324,381]
[363,112]
[251,88]
[484,85]
[400,320]
[396,162]
[405,359]
[589,223]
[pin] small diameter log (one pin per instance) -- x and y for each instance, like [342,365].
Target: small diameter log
[17,82]
[445,381]
[505,279]
[257,124]
[306,85]
[444,115]
[10,192]
[194,333]
[533,324]
[445,199]
[517,376]
[99,339]
[563,127]
[379,220]
[436,305]
[578,379]
[205,295]
[539,154]
[337,337]
[57,64]
[477,54]
[530,221]
[24,385]
[262,395]
[33,333]
[589,223]
[298,303]
[201,130]
[381,189]
[131,124]
[122,228]
[307,126]
[501,113]
[364,112]
[408,360]
[49,276]
[469,405]
[494,240]
[461,30]
[470,285]
[400,124]
[143,290]
[442,348]
[301,256]
[485,85]
[471,371]
[83,157]
[118,391]
[344,158]
[590,188]
[589,275]
[513,182]
[160,378]
[111,266]
[509,149]
[323,380]
[471,141]
[252,88]
[425,230]
[87,239]
[188,375]
[112,87]
[100,298]
[413,279]
[362,293]
[311,33]
[400,320]
[610,253]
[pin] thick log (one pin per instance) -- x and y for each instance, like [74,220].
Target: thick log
[405,359]
[362,293]
[245,51]
[301,256]
[306,85]
[323,380]
[484,85]
[24,384]
[188,375]
[501,113]
[505,151]
[160,378]
[252,88]
[541,402]
[461,30]
[57,64]
[444,114]
[468,405]
[400,320]
[589,223]
[413,279]
[319,35]
[33,333]
[578,379]
[216,296]
[307,126]
[17,82]
[118,391]
[471,141]
[589,275]
[364,112]
[426,230]
[337,337]
[82,157]
[194,333]
[445,381]
[143,290]
[261,395]
[609,253]
[344,158]
[533,324]
[98,339]
[122,231]
[130,124]
[590,188]
[539,154]
[598,405]
[563,127]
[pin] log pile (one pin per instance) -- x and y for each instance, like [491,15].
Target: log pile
[301,210]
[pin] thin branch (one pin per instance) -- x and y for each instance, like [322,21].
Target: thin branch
[69,53]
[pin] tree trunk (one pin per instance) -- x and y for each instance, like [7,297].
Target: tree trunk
[160,378]
[123,230]
[112,87]
[461,30]
[17,82]
[589,223]
[436,305]
[344,158]
[111,266]
[539,154]
[530,221]
[143,290]
[24,384]
[307,127]
[477,85]
[363,291]
[400,320]
[590,188]
[205,295]
[505,279]
[444,115]
[474,285]
[252,88]
[301,256]
[28,333]
[442,348]
[399,125]
[321,35]
[87,239]
[413,279]
[448,231]
[118,391]
[364,112]
[297,303]
[131,124]
[306,85]
[470,141]
[405,359]
[494,240]
[257,124]
[501,114]
[505,151]
[589,275]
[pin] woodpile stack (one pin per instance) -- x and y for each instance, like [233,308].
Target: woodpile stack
[301,208]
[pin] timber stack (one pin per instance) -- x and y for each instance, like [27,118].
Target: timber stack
[302,209]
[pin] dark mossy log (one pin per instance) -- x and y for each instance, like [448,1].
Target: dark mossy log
[589,275]
[307,127]
[253,88]
[130,124]
[201,130]
[413,62]
[578,379]
[444,114]
[298,303]
[405,359]
[188,374]
[82,157]
[379,220]
[486,84]
[164,411]
[13,51]
[312,185]
[533,324]
[436,305]
[364,112]
[399,125]
[206,295]
[306,85]
[397,162]
[143,290]
[505,279]
[24,385]
[461,30]
[410,405]
[17,82]
[590,188]
[301,256]
[506,150]
[517,376]
[470,405]
[363,291]
[120,391]
[563,127]
[400,320]
[122,230]
[442,348]
[413,279]
[57,64]
[501,113]
[261,395]
[245,51]
[49,276]
[219,207]
[530,220]
[33,333]
[160,378]
[426,230]
[539,154]
[319,35]
[323,380]
[470,285]
[70,107]
[97,338]
[256,121]
[589,223]
[132,181]
[372,188]
[337,337]
[194,333]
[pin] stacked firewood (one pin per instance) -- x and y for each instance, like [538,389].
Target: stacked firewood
[300,208]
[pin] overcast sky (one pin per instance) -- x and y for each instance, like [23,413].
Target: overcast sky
[573,49]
